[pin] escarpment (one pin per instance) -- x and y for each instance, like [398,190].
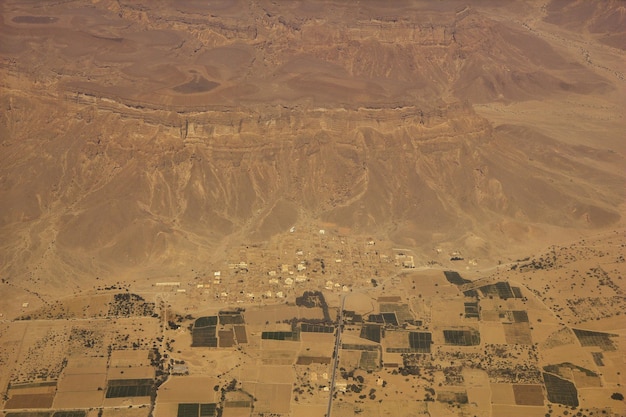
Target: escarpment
[138,137]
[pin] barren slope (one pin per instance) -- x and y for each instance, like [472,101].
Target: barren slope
[136,139]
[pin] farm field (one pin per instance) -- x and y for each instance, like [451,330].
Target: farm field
[281,361]
[312,208]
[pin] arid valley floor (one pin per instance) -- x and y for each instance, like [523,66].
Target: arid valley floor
[303,208]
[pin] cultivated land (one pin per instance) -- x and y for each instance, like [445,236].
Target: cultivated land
[236,208]
[507,341]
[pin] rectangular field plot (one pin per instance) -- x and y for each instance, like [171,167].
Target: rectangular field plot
[79,389]
[129,412]
[230,318]
[390,319]
[471,309]
[308,360]
[527,394]
[371,332]
[462,337]
[560,391]
[197,410]
[489,315]
[31,395]
[205,321]
[30,401]
[188,410]
[47,414]
[508,410]
[240,334]
[278,357]
[502,393]
[599,339]
[376,318]
[119,388]
[270,398]
[81,382]
[291,336]
[369,360]
[186,389]
[402,313]
[129,357]
[204,337]
[134,373]
[389,299]
[350,346]
[35,387]
[420,341]
[397,341]
[316,328]
[415,342]
[349,359]
[517,333]
[504,290]
[204,332]
[86,365]
[226,338]
[78,399]
[520,316]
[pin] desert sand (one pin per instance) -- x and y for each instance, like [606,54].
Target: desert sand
[299,208]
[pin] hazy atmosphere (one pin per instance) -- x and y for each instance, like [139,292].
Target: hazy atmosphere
[312,208]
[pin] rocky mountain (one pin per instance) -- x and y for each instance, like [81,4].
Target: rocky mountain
[139,136]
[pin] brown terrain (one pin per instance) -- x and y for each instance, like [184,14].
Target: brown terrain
[175,176]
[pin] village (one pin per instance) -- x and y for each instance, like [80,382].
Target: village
[237,208]
[350,326]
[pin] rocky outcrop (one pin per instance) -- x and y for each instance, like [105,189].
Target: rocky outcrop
[287,116]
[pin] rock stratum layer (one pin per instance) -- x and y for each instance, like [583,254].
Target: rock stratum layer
[138,138]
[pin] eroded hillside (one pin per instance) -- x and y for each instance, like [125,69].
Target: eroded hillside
[139,138]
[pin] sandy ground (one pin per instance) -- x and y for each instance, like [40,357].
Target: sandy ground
[161,164]
[267,369]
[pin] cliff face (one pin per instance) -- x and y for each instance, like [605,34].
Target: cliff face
[135,136]
[124,191]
